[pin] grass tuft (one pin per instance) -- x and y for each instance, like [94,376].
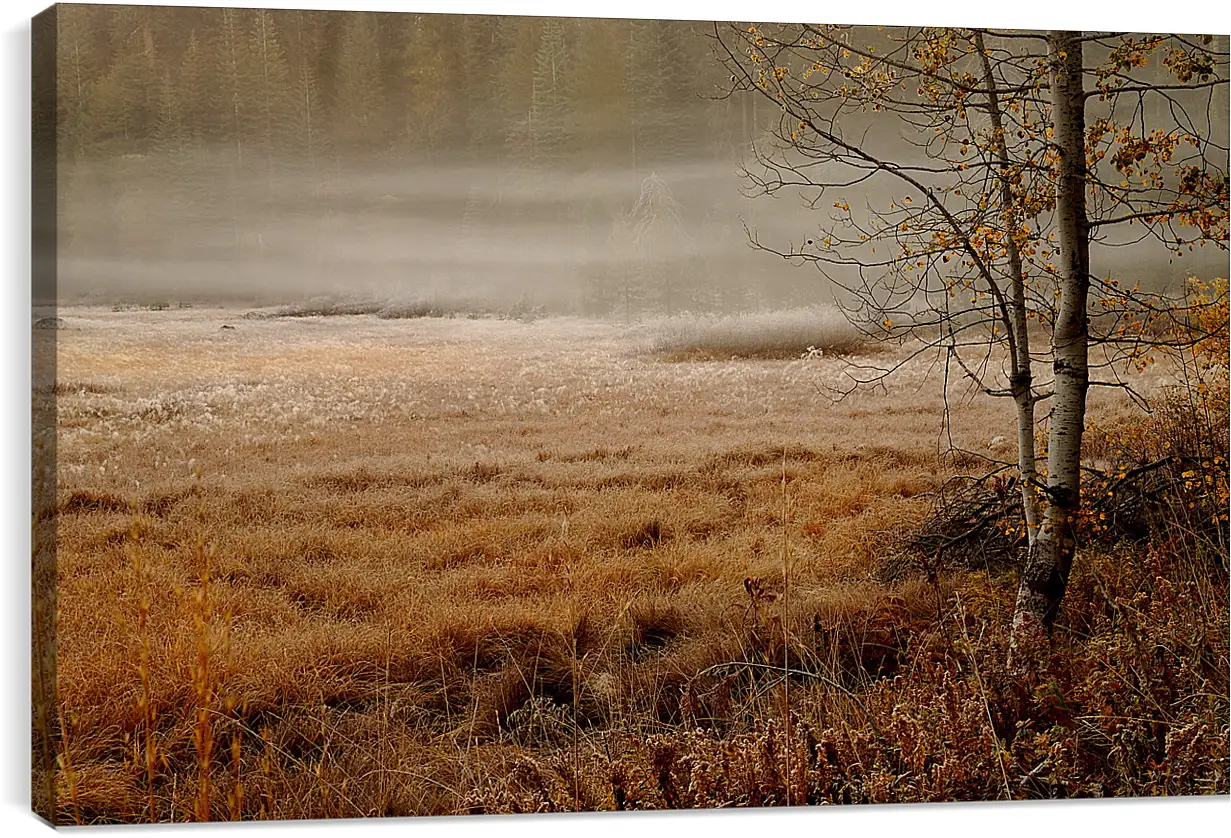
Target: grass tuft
[777,335]
[85,501]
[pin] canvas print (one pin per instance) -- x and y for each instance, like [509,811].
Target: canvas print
[457,414]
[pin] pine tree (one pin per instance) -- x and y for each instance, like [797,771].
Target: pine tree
[306,135]
[77,71]
[121,108]
[601,106]
[698,109]
[360,98]
[170,136]
[653,123]
[549,116]
[483,119]
[235,76]
[630,274]
[516,45]
[275,107]
[472,69]
[197,93]
[431,97]
[660,241]
[79,66]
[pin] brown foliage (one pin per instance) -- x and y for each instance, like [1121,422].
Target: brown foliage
[473,627]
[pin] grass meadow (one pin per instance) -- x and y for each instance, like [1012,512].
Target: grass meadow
[359,565]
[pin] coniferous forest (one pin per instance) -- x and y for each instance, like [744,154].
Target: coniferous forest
[201,149]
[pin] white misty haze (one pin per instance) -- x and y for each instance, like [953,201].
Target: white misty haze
[503,196]
[475,232]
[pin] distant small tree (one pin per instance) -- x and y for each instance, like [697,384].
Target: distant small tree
[629,280]
[170,133]
[1018,151]
[659,240]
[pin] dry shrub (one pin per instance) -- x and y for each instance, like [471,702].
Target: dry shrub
[457,306]
[515,781]
[483,472]
[1133,702]
[77,388]
[1165,472]
[410,310]
[591,455]
[974,522]
[352,481]
[329,307]
[100,791]
[1170,471]
[343,306]
[161,504]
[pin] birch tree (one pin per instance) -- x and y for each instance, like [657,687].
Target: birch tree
[1003,157]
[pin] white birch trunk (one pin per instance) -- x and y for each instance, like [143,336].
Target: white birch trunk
[1050,558]
[1021,379]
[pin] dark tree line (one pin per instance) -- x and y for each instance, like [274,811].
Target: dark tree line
[303,85]
[265,140]
[295,143]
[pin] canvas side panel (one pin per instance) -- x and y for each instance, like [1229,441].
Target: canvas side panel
[43,121]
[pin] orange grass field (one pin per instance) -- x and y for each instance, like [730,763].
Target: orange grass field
[348,566]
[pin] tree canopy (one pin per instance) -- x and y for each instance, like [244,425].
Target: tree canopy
[963,178]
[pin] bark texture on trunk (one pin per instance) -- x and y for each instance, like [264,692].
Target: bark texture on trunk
[1050,557]
[1021,379]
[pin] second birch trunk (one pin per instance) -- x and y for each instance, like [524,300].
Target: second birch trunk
[1050,558]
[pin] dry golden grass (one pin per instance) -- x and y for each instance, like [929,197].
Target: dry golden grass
[420,552]
[771,335]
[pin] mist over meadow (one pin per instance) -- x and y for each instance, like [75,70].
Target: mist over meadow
[261,157]
[587,504]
